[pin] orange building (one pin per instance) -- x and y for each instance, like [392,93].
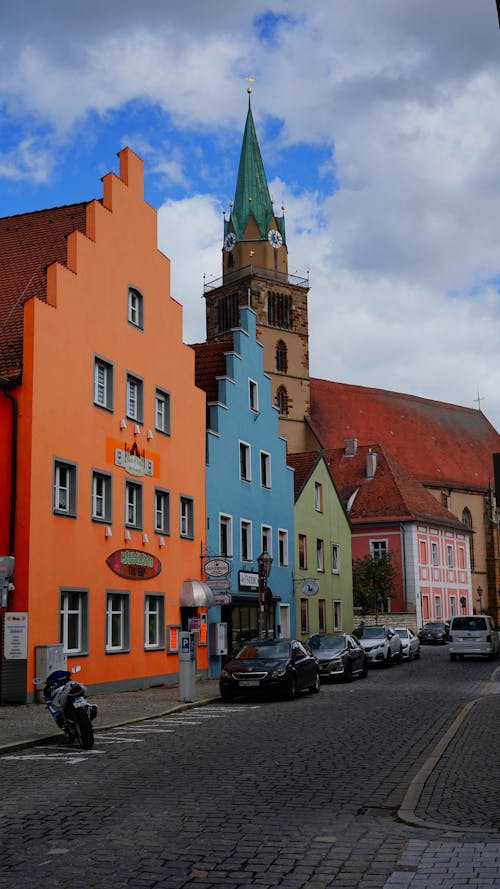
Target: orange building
[102,457]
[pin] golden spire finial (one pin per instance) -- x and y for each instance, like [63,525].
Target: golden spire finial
[250,80]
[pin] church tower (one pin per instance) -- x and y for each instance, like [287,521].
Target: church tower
[255,273]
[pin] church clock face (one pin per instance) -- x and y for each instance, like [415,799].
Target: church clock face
[229,242]
[274,238]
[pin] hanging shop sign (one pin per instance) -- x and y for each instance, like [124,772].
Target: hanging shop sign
[133,461]
[217,567]
[134,564]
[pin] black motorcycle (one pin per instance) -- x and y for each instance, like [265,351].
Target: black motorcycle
[66,701]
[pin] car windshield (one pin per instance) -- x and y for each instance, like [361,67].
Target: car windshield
[469,623]
[271,651]
[403,632]
[330,641]
[434,627]
[370,632]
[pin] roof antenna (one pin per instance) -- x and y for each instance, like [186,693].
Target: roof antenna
[479,399]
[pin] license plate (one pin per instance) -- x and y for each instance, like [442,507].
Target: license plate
[247,682]
[79,702]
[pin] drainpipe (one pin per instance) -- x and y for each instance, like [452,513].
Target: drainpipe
[4,386]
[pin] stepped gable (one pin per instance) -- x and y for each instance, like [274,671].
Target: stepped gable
[210,363]
[440,444]
[392,495]
[29,243]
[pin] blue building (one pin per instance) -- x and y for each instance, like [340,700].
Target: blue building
[250,493]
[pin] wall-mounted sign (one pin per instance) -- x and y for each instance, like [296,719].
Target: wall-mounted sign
[15,635]
[248,580]
[133,461]
[134,564]
[217,584]
[217,567]
[310,587]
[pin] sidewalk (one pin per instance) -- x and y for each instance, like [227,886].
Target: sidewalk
[25,724]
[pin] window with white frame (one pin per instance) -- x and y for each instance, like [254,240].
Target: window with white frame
[302,540]
[135,308]
[135,398]
[304,616]
[246,550]
[335,558]
[162,511]
[318,497]
[133,505]
[73,621]
[186,507]
[103,383]
[337,615]
[253,395]
[378,548]
[162,411]
[265,469]
[453,606]
[283,547]
[266,539]
[434,554]
[437,606]
[154,621]
[64,488]
[117,622]
[449,555]
[101,497]
[245,462]
[225,535]
[320,555]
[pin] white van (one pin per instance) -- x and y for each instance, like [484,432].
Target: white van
[473,634]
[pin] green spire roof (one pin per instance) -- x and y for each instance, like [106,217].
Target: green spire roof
[252,192]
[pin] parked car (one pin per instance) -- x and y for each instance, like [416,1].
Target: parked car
[382,644]
[473,634]
[340,656]
[410,643]
[272,667]
[434,632]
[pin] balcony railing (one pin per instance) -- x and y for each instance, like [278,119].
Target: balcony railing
[258,271]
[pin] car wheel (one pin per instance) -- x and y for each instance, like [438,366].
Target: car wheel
[314,689]
[399,656]
[292,689]
[348,672]
[388,658]
[410,654]
[364,671]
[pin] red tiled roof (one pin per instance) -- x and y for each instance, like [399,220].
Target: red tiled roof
[210,363]
[28,244]
[440,444]
[392,495]
[302,464]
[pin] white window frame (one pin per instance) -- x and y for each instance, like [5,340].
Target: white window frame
[73,608]
[318,497]
[162,411]
[117,605]
[226,523]
[186,517]
[246,525]
[134,407]
[135,308]
[245,455]
[449,555]
[133,505]
[64,493]
[101,506]
[161,511]
[378,548]
[335,558]
[265,470]
[103,383]
[283,547]
[154,622]
[266,537]
[320,554]
[253,395]
[434,553]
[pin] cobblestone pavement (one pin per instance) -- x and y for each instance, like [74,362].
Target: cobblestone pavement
[355,787]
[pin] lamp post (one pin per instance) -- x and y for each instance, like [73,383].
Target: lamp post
[264,562]
[480,597]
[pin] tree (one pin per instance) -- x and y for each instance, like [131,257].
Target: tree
[373,581]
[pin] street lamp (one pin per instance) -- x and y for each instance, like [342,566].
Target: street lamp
[480,597]
[264,562]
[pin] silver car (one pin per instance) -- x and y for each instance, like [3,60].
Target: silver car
[381,644]
[410,643]
[473,634]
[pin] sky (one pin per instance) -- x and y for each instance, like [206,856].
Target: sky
[379,127]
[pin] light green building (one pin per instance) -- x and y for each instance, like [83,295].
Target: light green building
[323,557]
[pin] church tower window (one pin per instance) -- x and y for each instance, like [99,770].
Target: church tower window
[279,310]
[281,357]
[227,312]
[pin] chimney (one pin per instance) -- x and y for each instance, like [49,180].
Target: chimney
[371,463]
[351,446]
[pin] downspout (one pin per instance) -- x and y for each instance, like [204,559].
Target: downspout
[405,602]
[4,385]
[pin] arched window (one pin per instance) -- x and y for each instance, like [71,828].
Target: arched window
[282,401]
[281,357]
[467,521]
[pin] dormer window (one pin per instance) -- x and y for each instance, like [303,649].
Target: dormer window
[135,308]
